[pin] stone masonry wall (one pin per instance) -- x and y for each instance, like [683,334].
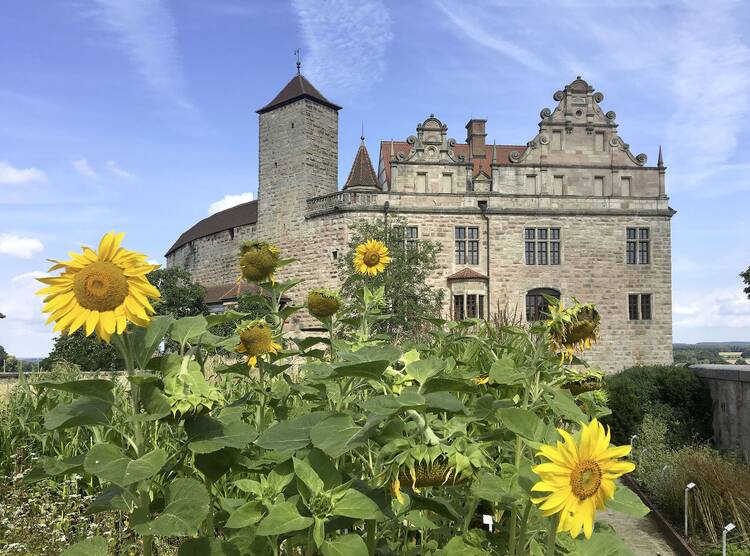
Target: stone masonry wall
[212,260]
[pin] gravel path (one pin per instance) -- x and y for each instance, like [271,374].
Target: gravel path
[641,534]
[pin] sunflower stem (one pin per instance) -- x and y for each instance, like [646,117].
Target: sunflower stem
[522,533]
[551,536]
[371,529]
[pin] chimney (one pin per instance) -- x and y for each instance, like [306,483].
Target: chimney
[475,136]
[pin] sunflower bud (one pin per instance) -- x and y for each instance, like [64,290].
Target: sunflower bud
[323,303]
[256,338]
[258,260]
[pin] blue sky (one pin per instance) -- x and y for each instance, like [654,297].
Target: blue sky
[139,115]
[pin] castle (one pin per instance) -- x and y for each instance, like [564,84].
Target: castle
[572,213]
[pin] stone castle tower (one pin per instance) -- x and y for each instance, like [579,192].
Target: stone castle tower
[298,156]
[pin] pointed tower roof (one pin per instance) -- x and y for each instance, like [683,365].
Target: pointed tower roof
[362,173]
[296,89]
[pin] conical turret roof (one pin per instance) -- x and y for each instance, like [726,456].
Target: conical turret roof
[299,87]
[362,173]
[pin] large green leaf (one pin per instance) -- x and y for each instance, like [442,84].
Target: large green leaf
[204,546]
[493,488]
[208,434]
[366,369]
[142,342]
[356,505]
[188,328]
[334,435]
[113,498]
[187,507]
[93,388]
[440,506]
[446,385]
[348,545]
[247,514]
[290,435]
[109,464]
[457,547]
[504,372]
[222,318]
[95,546]
[627,502]
[82,411]
[563,404]
[390,405]
[601,543]
[444,401]
[215,465]
[283,518]
[423,369]
[307,475]
[522,422]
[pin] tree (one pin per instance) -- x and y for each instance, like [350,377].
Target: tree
[85,351]
[745,354]
[3,356]
[180,296]
[409,298]
[746,277]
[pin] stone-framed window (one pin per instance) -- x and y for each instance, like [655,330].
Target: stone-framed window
[467,245]
[542,246]
[468,306]
[639,306]
[411,237]
[638,246]
[537,305]
[598,186]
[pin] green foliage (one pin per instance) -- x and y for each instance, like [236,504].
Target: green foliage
[365,447]
[695,355]
[180,296]
[3,355]
[673,393]
[722,494]
[409,299]
[746,278]
[87,352]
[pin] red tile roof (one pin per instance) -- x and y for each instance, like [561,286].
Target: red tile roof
[362,173]
[240,215]
[227,292]
[297,88]
[467,274]
[479,164]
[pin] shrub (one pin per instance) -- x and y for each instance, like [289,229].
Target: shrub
[722,494]
[673,393]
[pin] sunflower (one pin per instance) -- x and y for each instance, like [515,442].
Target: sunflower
[323,303]
[100,291]
[579,477]
[371,257]
[258,260]
[256,339]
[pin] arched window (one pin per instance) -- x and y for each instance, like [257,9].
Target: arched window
[536,304]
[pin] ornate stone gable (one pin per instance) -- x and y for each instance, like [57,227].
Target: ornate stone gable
[578,125]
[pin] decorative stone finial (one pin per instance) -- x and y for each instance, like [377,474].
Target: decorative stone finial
[299,63]
[660,162]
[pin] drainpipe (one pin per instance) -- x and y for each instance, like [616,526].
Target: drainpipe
[386,208]
[483,208]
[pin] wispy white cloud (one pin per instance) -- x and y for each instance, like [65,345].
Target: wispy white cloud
[711,89]
[11,175]
[147,34]
[471,24]
[23,332]
[229,201]
[20,247]
[83,167]
[728,308]
[345,42]
[115,168]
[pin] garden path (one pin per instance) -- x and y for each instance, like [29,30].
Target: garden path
[641,534]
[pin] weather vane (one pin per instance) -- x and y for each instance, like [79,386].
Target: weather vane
[299,63]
